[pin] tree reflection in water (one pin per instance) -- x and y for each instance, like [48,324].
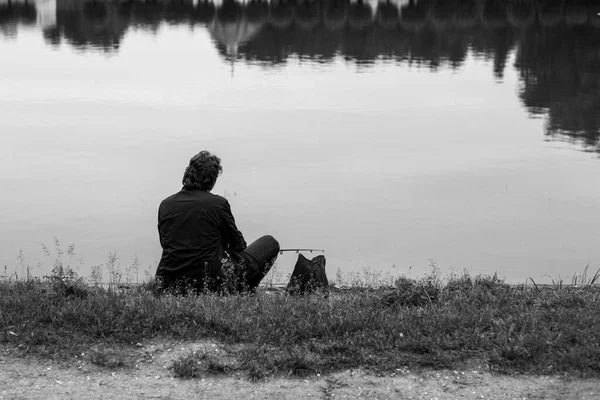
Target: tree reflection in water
[557,43]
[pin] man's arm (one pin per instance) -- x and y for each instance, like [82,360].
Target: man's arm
[160,223]
[234,237]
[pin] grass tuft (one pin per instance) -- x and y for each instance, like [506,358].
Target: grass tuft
[107,357]
[197,364]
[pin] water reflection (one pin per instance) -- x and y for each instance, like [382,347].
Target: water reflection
[13,14]
[556,42]
[560,74]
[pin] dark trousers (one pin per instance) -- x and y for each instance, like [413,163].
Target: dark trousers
[239,272]
[258,258]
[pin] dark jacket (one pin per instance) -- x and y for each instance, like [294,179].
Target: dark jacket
[195,228]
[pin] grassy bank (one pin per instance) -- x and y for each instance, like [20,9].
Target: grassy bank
[414,323]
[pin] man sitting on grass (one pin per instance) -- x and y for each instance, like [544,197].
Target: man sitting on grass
[203,250]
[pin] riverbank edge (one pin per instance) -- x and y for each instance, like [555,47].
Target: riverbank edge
[420,324]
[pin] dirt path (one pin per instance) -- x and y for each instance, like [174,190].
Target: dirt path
[150,378]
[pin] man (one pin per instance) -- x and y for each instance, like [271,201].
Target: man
[203,249]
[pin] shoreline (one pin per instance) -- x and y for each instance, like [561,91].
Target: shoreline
[418,324]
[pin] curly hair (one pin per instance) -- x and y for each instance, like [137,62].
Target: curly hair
[202,172]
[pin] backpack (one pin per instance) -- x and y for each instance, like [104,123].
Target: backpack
[308,276]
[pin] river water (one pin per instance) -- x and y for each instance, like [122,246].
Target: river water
[394,134]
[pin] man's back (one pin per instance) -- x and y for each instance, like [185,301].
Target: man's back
[195,227]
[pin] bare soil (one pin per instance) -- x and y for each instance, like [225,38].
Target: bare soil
[145,374]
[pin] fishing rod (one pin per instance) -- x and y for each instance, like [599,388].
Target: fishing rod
[299,250]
